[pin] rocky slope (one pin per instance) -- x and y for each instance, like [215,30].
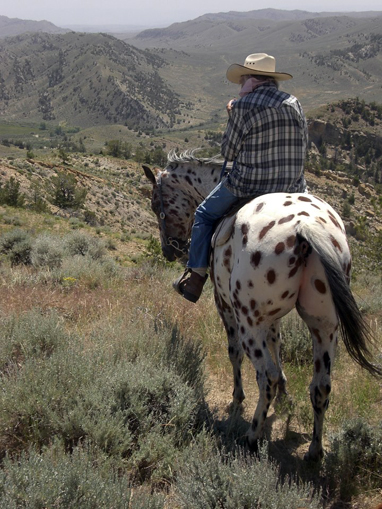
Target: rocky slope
[114,196]
[117,195]
[83,80]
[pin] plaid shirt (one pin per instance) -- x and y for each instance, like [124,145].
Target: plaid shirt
[266,136]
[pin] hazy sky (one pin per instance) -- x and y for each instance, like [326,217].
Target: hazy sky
[158,12]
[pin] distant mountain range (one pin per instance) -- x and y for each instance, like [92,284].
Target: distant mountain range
[10,27]
[284,15]
[15,26]
[330,57]
[174,77]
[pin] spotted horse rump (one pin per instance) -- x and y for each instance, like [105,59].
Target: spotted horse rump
[280,251]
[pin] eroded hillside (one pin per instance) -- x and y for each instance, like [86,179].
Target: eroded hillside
[83,79]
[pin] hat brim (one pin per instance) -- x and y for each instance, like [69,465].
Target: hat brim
[236,71]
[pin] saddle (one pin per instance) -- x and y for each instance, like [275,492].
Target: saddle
[224,226]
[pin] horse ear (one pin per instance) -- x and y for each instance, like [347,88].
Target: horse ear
[149,174]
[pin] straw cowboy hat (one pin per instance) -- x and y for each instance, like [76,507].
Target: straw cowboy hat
[258,64]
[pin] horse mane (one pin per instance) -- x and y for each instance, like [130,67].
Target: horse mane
[189,156]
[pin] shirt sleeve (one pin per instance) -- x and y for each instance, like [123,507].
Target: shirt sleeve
[233,135]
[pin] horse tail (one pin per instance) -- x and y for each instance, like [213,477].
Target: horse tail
[356,333]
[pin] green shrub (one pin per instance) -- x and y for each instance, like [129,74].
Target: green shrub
[296,341]
[17,245]
[15,220]
[90,217]
[355,460]
[153,253]
[33,334]
[66,193]
[78,243]
[75,223]
[110,244]
[209,479]
[84,479]
[185,357]
[10,193]
[47,252]
[92,273]
[140,412]
[346,210]
[362,228]
[9,239]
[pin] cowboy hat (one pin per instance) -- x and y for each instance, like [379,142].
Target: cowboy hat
[257,64]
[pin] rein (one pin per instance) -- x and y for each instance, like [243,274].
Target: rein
[170,241]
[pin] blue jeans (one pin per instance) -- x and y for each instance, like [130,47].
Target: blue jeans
[207,214]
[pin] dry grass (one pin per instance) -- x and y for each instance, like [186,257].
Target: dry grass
[143,294]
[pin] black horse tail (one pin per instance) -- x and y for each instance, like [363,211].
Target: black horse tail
[356,333]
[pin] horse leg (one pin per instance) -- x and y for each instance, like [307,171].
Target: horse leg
[235,350]
[254,344]
[324,343]
[316,308]
[274,344]
[236,355]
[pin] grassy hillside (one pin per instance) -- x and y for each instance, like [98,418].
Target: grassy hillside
[115,390]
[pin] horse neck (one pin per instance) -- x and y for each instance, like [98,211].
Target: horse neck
[197,180]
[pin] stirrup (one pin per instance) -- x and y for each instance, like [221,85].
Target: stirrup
[178,283]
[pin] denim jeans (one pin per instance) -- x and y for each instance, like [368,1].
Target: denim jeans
[207,214]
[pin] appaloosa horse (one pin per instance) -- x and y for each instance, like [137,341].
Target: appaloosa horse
[279,251]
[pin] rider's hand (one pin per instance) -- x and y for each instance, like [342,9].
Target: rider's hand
[230,105]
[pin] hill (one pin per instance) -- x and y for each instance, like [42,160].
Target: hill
[330,57]
[83,79]
[283,15]
[187,33]
[10,27]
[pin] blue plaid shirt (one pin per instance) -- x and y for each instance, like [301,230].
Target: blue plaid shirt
[266,136]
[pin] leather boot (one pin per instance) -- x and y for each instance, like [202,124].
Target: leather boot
[190,285]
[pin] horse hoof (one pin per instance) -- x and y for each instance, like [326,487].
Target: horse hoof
[253,446]
[314,457]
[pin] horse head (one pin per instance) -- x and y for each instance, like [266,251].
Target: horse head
[174,209]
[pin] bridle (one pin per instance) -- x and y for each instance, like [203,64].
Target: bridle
[169,241]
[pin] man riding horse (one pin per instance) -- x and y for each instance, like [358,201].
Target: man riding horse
[266,138]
